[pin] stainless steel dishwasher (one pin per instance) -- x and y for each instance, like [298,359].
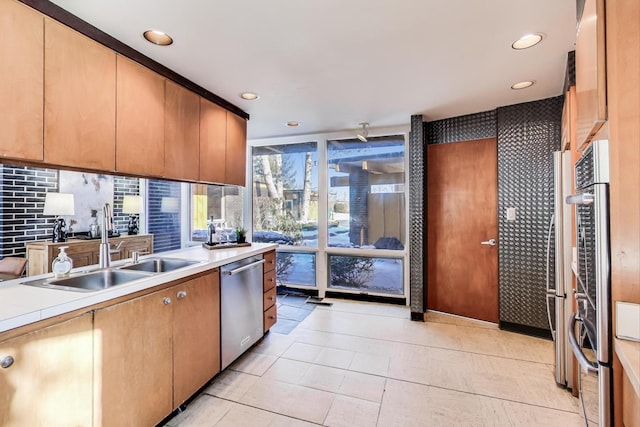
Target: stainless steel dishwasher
[241,313]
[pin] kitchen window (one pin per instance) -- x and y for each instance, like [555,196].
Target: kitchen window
[222,202]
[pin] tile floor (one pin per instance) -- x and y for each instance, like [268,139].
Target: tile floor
[363,364]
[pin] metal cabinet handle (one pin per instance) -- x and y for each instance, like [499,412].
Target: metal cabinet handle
[490,242]
[166,300]
[6,361]
[182,294]
[580,199]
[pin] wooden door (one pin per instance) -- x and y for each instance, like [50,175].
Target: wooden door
[181,133]
[50,380]
[213,134]
[79,100]
[462,198]
[236,150]
[140,119]
[196,335]
[132,362]
[21,81]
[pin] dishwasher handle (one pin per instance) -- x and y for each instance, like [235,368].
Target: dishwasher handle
[244,267]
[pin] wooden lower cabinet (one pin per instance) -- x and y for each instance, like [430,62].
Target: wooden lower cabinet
[196,335]
[153,352]
[270,311]
[50,380]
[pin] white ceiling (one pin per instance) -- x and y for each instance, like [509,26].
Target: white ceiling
[331,64]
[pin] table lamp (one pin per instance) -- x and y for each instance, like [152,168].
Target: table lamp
[58,204]
[133,206]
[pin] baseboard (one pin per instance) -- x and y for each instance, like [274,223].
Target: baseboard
[526,330]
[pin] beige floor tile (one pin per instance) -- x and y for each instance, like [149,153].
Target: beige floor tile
[334,357]
[323,378]
[289,399]
[302,352]
[287,370]
[408,404]
[362,386]
[370,364]
[282,421]
[434,316]
[203,412]
[245,416]
[253,363]
[231,385]
[273,344]
[350,412]
[389,310]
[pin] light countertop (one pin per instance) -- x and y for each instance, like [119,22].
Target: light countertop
[21,304]
[629,354]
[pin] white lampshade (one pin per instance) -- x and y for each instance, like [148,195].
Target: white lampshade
[170,205]
[59,204]
[132,204]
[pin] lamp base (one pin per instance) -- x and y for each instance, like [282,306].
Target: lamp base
[59,231]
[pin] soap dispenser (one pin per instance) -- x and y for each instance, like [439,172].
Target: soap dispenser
[62,265]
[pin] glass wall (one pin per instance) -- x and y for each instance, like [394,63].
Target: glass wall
[347,236]
[223,203]
[285,194]
[366,193]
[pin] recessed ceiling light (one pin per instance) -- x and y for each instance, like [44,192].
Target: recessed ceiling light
[527,41]
[522,85]
[293,124]
[158,37]
[249,96]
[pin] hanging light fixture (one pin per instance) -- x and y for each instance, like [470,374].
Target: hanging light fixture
[363,133]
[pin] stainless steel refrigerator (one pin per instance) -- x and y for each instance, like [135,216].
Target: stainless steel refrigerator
[590,327]
[559,273]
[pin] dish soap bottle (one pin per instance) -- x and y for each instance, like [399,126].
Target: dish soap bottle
[61,266]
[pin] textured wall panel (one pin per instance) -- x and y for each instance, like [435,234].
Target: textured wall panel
[462,128]
[527,136]
[417,160]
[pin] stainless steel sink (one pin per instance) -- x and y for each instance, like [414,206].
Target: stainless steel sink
[101,279]
[159,265]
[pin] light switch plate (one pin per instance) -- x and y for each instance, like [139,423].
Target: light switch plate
[628,321]
[511,214]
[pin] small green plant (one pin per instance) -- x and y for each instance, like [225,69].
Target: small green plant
[241,234]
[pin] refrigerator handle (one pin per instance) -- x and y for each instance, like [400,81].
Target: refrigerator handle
[588,365]
[551,293]
[580,199]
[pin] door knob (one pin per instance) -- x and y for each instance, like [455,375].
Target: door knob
[490,242]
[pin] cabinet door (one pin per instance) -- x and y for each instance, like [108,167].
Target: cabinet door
[80,259]
[213,134]
[181,133]
[236,150]
[140,119]
[196,335]
[50,380]
[79,100]
[21,81]
[591,79]
[132,360]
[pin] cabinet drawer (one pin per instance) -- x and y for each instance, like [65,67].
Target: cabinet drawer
[269,261]
[270,318]
[269,280]
[269,298]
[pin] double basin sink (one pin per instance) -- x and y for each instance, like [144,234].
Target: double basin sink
[107,278]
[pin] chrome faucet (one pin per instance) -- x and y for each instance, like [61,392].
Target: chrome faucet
[105,249]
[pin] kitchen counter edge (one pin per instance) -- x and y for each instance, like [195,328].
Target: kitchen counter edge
[21,305]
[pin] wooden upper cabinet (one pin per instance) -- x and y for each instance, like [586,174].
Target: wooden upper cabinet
[79,100]
[213,135]
[140,118]
[591,77]
[236,150]
[181,132]
[21,81]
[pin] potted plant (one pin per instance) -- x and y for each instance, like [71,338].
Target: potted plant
[241,235]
